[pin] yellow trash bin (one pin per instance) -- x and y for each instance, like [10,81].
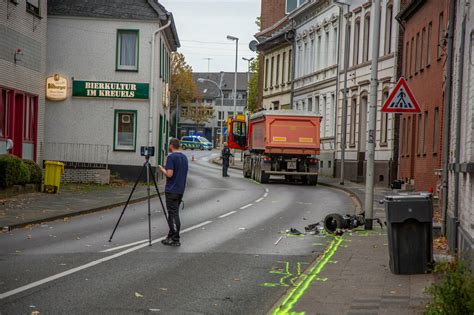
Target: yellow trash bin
[52,176]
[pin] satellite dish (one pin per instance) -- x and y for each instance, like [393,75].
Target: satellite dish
[253,45]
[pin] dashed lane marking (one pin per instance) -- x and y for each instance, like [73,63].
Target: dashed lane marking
[227,214]
[259,199]
[122,246]
[246,206]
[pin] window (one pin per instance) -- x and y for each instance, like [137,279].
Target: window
[384,122]
[316,105]
[326,51]
[418,140]
[4,114]
[125,134]
[304,62]
[417,45]
[422,49]
[436,130]
[407,49]
[428,45]
[33,6]
[29,119]
[355,55]
[283,66]
[352,128]
[425,133]
[365,52]
[271,72]
[310,104]
[266,74]
[127,50]
[318,55]
[291,5]
[277,80]
[440,34]
[411,55]
[290,66]
[334,47]
[388,29]
[311,57]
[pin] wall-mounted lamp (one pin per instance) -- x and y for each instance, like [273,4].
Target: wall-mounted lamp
[18,55]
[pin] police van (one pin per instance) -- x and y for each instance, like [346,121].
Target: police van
[195,142]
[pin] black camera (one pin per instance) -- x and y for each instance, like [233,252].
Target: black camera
[147,151]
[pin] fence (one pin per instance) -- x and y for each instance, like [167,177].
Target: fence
[77,155]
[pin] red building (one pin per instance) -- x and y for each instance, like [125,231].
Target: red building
[423,66]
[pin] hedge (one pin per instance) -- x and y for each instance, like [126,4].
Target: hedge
[35,171]
[14,171]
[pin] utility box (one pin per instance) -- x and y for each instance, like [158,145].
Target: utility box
[410,232]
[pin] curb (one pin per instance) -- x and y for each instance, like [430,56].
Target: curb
[217,162]
[76,213]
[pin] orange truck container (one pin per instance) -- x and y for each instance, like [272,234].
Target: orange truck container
[279,143]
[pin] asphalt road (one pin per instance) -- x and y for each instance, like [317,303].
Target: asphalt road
[228,262]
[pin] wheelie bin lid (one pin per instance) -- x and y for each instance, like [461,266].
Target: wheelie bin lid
[54,163]
[405,196]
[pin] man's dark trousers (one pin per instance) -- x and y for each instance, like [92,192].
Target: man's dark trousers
[172,204]
[225,166]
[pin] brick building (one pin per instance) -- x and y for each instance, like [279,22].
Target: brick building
[423,62]
[23,27]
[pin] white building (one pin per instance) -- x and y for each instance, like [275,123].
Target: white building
[117,96]
[460,217]
[22,75]
[360,56]
[315,87]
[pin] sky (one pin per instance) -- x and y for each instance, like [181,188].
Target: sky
[203,26]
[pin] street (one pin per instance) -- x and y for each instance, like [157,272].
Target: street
[228,262]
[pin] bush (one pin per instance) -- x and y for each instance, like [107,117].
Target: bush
[35,171]
[24,176]
[454,292]
[9,170]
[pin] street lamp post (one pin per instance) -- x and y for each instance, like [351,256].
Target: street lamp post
[249,60]
[222,105]
[236,39]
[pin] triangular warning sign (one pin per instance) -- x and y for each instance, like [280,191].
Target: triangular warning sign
[401,100]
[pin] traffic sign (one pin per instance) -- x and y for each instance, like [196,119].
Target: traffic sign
[401,100]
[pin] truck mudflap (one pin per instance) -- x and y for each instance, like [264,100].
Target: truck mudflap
[291,173]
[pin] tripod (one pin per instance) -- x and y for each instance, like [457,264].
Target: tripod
[147,167]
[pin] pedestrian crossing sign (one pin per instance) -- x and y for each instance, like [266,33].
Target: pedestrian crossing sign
[401,100]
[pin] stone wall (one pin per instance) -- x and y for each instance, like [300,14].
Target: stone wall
[97,176]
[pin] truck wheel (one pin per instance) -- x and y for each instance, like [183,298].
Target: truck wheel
[312,180]
[201,148]
[264,177]
[258,173]
[183,146]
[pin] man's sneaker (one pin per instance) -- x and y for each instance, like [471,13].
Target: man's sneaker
[170,242]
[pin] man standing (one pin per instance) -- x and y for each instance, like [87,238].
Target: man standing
[176,172]
[225,156]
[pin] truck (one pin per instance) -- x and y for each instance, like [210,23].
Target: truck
[278,143]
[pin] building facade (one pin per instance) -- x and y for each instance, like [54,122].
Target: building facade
[23,26]
[316,70]
[358,84]
[208,95]
[118,83]
[460,216]
[424,59]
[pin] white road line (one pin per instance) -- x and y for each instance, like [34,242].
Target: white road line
[227,214]
[265,195]
[266,190]
[88,265]
[258,200]
[122,246]
[246,206]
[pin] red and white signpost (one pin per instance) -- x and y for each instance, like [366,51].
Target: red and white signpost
[401,100]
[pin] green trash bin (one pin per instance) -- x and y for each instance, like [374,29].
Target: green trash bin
[52,176]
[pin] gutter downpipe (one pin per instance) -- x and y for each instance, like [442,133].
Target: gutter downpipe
[293,63]
[152,83]
[457,154]
[447,112]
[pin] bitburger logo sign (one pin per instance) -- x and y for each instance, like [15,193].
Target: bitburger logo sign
[56,88]
[101,89]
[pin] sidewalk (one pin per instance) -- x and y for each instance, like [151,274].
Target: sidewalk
[72,199]
[353,275]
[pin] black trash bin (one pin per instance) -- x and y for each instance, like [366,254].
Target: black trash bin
[410,232]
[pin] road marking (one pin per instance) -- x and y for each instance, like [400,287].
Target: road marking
[258,200]
[265,195]
[90,264]
[122,246]
[246,206]
[266,190]
[227,214]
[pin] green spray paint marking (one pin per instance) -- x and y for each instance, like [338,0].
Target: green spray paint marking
[297,292]
[286,275]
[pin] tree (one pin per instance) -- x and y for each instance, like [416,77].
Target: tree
[199,113]
[182,83]
[252,102]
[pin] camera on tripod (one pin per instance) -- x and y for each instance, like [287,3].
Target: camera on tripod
[147,151]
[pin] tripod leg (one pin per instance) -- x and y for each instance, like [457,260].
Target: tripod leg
[128,200]
[148,195]
[159,196]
